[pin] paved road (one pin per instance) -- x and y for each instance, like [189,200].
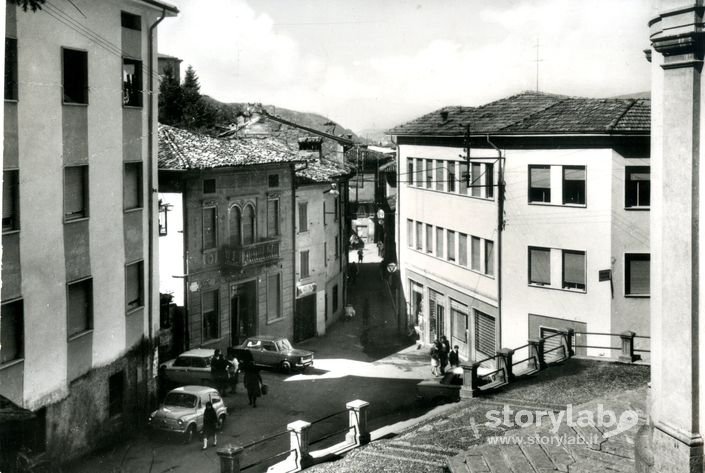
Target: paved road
[385,375]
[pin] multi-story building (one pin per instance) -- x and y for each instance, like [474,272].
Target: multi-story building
[238,238]
[78,261]
[544,227]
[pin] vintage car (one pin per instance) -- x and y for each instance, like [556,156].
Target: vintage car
[190,367]
[182,411]
[445,388]
[273,352]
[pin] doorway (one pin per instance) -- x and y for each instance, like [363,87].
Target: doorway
[243,311]
[305,320]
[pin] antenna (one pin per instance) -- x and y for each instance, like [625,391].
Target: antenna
[537,60]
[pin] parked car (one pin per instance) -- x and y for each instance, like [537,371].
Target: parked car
[190,367]
[273,352]
[182,411]
[445,388]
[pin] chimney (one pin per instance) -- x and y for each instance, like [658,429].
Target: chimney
[444,115]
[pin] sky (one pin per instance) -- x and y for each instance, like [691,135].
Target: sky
[374,64]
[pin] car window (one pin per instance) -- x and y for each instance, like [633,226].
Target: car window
[284,345]
[199,362]
[215,398]
[180,400]
[182,361]
[253,344]
[269,346]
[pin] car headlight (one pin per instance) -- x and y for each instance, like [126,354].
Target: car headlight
[181,422]
[149,419]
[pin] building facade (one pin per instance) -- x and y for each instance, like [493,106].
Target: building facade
[534,221]
[238,234]
[78,299]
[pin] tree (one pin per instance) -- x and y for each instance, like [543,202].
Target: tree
[170,99]
[183,106]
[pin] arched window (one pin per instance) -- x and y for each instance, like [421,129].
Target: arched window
[235,221]
[248,225]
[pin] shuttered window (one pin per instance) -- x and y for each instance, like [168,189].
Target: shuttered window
[451,176]
[134,285]
[463,178]
[439,242]
[439,176]
[540,184]
[75,192]
[419,173]
[459,321]
[485,334]
[80,307]
[10,201]
[429,173]
[462,249]
[540,266]
[12,331]
[489,257]
[303,257]
[273,297]
[475,260]
[235,226]
[132,186]
[489,181]
[248,225]
[574,185]
[419,235]
[637,186]
[637,277]
[451,245]
[429,238]
[410,233]
[476,182]
[209,228]
[573,269]
[303,216]
[410,171]
[272,217]
[209,310]
[432,314]
[550,347]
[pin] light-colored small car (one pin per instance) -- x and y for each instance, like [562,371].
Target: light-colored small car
[273,352]
[182,411]
[190,367]
[445,388]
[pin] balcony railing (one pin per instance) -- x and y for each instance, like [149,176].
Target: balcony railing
[262,252]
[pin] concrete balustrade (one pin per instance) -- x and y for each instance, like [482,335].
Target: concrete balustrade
[504,362]
[357,421]
[471,381]
[536,347]
[230,459]
[627,355]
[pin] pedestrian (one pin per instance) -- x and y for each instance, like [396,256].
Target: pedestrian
[360,254]
[210,425]
[435,357]
[219,372]
[418,328]
[349,312]
[380,248]
[454,357]
[253,383]
[443,353]
[233,373]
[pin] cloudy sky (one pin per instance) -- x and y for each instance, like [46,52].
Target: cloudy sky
[377,63]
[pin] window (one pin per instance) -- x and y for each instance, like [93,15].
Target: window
[248,225]
[75,192]
[489,257]
[130,21]
[75,76]
[574,270]
[439,242]
[419,172]
[134,285]
[637,186]
[637,279]
[209,186]
[410,233]
[419,235]
[116,387]
[10,69]
[476,182]
[574,185]
[540,184]
[274,298]
[489,178]
[485,333]
[132,186]
[337,252]
[131,82]
[463,177]
[303,217]
[459,321]
[303,257]
[451,176]
[12,331]
[335,298]
[235,226]
[410,171]
[475,254]
[325,253]
[209,229]
[80,307]
[273,180]
[440,168]
[272,217]
[429,238]
[462,249]
[451,245]
[10,201]
[429,173]
[209,311]
[540,266]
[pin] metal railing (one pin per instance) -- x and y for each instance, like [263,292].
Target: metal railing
[255,253]
[329,435]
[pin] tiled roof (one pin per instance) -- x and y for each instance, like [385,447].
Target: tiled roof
[321,170]
[536,113]
[181,150]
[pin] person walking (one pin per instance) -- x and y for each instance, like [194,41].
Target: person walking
[210,425]
[349,312]
[435,357]
[219,372]
[454,357]
[443,353]
[360,254]
[418,328]
[253,383]
[233,374]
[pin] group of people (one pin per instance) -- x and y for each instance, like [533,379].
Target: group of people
[442,356]
[225,374]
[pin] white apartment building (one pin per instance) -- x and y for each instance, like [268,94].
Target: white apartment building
[563,244]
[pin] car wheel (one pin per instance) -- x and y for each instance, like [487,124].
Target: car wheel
[286,366]
[221,421]
[190,433]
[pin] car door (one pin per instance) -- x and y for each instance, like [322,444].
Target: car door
[270,355]
[255,347]
[200,409]
[217,402]
[179,371]
[200,372]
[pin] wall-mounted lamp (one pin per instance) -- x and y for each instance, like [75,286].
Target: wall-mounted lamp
[333,189]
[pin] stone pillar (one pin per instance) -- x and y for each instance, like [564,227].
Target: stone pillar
[568,336]
[471,382]
[357,420]
[504,361]
[674,442]
[230,459]
[627,355]
[536,346]
[298,439]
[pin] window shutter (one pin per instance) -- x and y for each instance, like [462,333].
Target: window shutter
[489,257]
[475,262]
[74,191]
[463,249]
[638,267]
[273,297]
[429,238]
[248,225]
[540,266]
[574,267]
[574,174]
[476,180]
[439,242]
[451,245]
[273,217]
[209,227]
[485,334]
[540,177]
[551,344]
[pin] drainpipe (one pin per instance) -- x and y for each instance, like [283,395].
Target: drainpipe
[150,180]
[500,229]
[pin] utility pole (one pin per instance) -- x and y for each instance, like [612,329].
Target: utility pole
[537,60]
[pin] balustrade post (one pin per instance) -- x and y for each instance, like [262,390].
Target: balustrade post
[230,459]
[359,434]
[536,347]
[504,360]
[471,382]
[627,355]
[299,441]
[568,342]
